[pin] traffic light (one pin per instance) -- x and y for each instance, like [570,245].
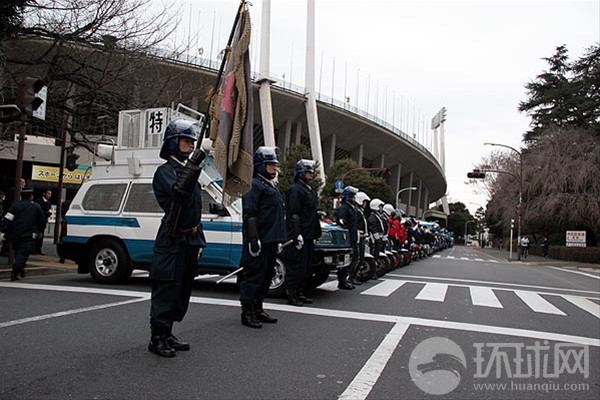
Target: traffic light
[31,97]
[71,163]
[476,174]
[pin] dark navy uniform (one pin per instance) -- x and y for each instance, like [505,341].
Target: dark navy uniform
[24,221]
[302,218]
[263,233]
[179,240]
[265,203]
[348,217]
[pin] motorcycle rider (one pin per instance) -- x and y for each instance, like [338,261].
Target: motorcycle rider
[362,202]
[376,226]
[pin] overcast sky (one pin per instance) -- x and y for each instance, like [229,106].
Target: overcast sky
[472,57]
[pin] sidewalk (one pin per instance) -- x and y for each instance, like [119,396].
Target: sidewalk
[537,260]
[42,264]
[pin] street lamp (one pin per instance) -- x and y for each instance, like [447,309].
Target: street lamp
[519,215]
[466,224]
[398,196]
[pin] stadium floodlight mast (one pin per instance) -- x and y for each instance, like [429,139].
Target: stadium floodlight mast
[520,179]
[398,196]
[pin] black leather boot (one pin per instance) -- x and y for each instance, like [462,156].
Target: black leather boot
[159,345]
[292,298]
[175,343]
[306,299]
[262,316]
[342,281]
[249,317]
[14,275]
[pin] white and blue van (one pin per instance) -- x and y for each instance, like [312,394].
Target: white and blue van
[111,223]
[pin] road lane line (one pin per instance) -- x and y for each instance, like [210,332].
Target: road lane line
[363,382]
[573,272]
[584,304]
[70,312]
[478,259]
[437,256]
[465,258]
[484,296]
[323,312]
[330,286]
[451,257]
[385,288]
[492,283]
[433,292]
[537,303]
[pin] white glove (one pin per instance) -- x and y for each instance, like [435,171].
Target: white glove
[254,246]
[34,235]
[299,242]
[279,248]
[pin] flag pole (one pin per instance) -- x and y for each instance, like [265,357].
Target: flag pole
[220,74]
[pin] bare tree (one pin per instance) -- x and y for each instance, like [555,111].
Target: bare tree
[93,56]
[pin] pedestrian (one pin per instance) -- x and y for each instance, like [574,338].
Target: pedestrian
[545,247]
[44,202]
[179,240]
[500,243]
[524,247]
[22,223]
[348,218]
[263,233]
[302,225]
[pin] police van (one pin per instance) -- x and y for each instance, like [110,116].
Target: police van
[111,224]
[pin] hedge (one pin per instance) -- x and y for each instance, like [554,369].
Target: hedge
[580,254]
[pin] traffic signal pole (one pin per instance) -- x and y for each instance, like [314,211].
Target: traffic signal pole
[20,152]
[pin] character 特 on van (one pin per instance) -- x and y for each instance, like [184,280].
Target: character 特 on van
[179,240]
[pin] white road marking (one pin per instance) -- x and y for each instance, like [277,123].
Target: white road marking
[465,258]
[452,251]
[478,259]
[492,283]
[537,303]
[484,296]
[574,272]
[70,312]
[385,288]
[363,382]
[433,292]
[442,324]
[584,304]
[330,286]
[437,256]
[207,276]
[451,257]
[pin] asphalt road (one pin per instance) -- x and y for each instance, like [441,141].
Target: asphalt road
[462,324]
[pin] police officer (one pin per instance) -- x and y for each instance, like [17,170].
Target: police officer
[179,239]
[23,222]
[263,233]
[303,227]
[44,202]
[348,218]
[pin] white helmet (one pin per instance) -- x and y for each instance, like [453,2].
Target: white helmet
[388,209]
[361,197]
[375,204]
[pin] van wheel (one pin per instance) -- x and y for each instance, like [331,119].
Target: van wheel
[277,288]
[108,262]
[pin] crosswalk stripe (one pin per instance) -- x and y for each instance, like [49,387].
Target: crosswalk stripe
[483,296]
[478,259]
[433,292]
[451,257]
[537,303]
[584,304]
[465,258]
[384,288]
[330,286]
[437,256]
